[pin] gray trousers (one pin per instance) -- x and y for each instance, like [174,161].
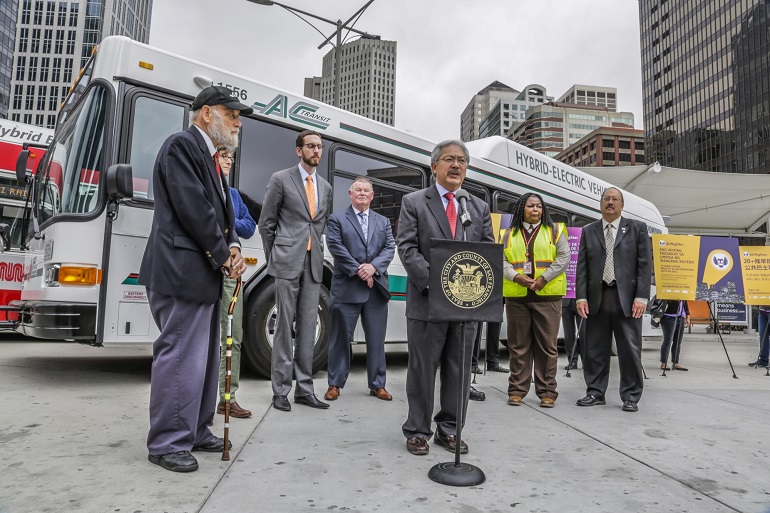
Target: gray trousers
[185,368]
[432,344]
[297,301]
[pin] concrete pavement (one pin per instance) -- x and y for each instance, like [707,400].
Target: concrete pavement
[75,421]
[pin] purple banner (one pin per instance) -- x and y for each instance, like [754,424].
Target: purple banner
[719,271]
[574,245]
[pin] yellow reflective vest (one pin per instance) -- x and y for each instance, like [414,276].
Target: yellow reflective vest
[515,251]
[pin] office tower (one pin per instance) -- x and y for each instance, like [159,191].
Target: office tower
[480,106]
[606,146]
[706,84]
[508,113]
[8,10]
[554,126]
[367,80]
[54,40]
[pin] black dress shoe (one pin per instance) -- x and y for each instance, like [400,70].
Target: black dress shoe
[630,406]
[280,402]
[571,366]
[216,444]
[180,461]
[591,400]
[496,367]
[477,395]
[448,442]
[311,400]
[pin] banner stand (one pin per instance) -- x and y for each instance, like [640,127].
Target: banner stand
[712,312]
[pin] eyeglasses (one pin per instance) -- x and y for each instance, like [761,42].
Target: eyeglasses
[312,147]
[449,160]
[225,157]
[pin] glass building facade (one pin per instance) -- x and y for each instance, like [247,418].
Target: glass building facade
[8,10]
[706,83]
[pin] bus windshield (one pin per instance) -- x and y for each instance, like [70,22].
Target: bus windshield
[70,183]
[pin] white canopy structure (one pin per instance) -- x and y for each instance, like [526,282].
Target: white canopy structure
[697,202]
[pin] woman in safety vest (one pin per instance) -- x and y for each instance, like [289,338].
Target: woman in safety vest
[536,257]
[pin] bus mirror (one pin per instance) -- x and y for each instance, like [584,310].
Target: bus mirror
[21,167]
[120,183]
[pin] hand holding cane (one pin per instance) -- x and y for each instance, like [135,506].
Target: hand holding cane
[228,368]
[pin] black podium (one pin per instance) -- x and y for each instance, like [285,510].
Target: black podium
[466,285]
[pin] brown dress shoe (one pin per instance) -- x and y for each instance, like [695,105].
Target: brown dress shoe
[417,445]
[332,393]
[235,410]
[381,393]
[514,400]
[547,402]
[448,442]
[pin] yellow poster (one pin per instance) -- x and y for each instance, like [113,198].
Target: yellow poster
[676,265]
[755,261]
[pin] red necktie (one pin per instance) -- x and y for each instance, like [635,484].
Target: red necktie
[216,164]
[451,212]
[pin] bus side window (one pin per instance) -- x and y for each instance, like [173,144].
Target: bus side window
[390,181]
[265,149]
[559,216]
[580,220]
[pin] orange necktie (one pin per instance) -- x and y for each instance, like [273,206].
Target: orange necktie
[310,191]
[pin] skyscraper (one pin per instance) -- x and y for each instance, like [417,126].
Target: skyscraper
[8,9]
[54,40]
[367,80]
[706,84]
[481,105]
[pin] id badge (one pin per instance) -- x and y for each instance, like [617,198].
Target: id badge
[527,267]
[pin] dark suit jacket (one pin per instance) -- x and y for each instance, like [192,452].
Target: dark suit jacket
[632,258]
[345,240]
[285,224]
[192,226]
[423,218]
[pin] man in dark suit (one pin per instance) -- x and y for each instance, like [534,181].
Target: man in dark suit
[192,242]
[612,289]
[361,242]
[425,215]
[292,222]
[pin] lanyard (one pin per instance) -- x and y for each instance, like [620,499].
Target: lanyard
[526,242]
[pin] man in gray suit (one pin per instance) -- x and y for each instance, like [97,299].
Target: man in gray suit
[361,242]
[426,215]
[612,288]
[292,222]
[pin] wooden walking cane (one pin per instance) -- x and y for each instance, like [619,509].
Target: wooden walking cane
[228,370]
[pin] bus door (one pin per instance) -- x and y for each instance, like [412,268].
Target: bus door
[147,121]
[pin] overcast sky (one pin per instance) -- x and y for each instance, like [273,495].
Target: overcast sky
[447,49]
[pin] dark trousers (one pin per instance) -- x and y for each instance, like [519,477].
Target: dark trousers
[764,337]
[493,343]
[600,327]
[185,372]
[673,331]
[569,320]
[374,319]
[432,344]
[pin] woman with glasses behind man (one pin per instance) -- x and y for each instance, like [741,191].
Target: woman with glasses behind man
[244,227]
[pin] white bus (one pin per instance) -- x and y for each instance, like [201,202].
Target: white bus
[81,279]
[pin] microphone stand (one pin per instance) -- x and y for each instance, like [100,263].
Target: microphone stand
[457,473]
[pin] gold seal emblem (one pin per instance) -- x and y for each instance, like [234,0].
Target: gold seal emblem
[467,279]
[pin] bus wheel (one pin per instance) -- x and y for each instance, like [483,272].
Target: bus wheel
[259,329]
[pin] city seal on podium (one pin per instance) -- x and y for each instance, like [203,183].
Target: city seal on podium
[467,279]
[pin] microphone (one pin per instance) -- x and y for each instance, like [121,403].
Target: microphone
[462,198]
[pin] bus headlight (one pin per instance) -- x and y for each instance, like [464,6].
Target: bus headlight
[57,275]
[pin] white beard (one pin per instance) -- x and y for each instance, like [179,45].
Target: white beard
[219,133]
